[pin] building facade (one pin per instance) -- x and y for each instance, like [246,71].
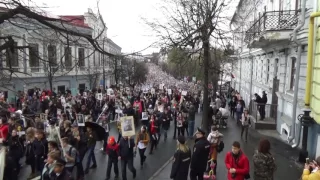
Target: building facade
[267,57]
[314,134]
[52,60]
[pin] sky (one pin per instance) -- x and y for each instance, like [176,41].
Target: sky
[122,17]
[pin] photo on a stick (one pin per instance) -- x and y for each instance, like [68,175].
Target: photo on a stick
[127,126]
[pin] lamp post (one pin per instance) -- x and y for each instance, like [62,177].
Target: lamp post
[103,66]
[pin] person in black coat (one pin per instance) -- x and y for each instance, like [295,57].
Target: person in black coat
[201,150]
[15,148]
[182,158]
[126,155]
[11,169]
[40,148]
[165,123]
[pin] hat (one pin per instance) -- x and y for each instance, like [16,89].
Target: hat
[60,162]
[181,139]
[111,140]
[201,131]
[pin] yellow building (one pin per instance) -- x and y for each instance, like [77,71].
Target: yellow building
[314,133]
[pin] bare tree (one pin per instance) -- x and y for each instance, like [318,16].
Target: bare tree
[193,24]
[50,31]
[92,75]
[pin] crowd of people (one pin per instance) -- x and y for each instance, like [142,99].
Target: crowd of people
[46,130]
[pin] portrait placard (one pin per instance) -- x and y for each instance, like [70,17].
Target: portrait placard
[99,96]
[43,117]
[80,119]
[144,116]
[127,126]
[184,93]
[59,112]
[153,91]
[169,91]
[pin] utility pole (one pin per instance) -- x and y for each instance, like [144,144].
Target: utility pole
[103,66]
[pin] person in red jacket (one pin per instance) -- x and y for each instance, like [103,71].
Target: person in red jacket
[4,130]
[112,150]
[237,163]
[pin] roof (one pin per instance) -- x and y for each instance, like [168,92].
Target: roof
[77,20]
[235,12]
[113,43]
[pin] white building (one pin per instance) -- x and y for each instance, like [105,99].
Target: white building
[115,49]
[267,56]
[50,59]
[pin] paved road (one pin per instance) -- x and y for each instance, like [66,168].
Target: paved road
[153,162]
[285,156]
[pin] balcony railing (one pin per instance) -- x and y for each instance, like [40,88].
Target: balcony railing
[269,110]
[272,21]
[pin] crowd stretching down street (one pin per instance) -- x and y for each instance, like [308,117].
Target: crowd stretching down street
[213,92]
[55,135]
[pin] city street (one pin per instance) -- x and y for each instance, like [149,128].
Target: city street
[285,156]
[154,162]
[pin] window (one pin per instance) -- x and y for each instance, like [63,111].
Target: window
[12,59]
[52,58]
[34,57]
[52,55]
[261,68]
[268,70]
[81,57]
[256,69]
[99,59]
[293,73]
[61,89]
[275,73]
[82,88]
[67,58]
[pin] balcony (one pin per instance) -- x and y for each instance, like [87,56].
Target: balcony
[271,27]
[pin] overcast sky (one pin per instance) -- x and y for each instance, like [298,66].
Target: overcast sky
[123,19]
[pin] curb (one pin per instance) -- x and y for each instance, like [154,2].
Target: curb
[163,166]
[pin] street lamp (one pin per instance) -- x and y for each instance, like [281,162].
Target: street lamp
[103,66]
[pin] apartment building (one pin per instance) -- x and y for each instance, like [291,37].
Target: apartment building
[53,59]
[267,58]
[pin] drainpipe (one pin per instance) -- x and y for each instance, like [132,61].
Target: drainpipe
[240,74]
[251,74]
[296,81]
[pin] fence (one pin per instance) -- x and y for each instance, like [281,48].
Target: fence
[270,111]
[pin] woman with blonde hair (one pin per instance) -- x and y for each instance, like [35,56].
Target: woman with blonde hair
[182,159]
[30,156]
[49,166]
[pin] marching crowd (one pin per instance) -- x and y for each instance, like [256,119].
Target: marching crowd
[53,132]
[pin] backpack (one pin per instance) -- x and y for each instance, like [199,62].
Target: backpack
[77,159]
[220,146]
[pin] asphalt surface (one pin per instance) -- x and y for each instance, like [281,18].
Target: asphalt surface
[154,162]
[285,157]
